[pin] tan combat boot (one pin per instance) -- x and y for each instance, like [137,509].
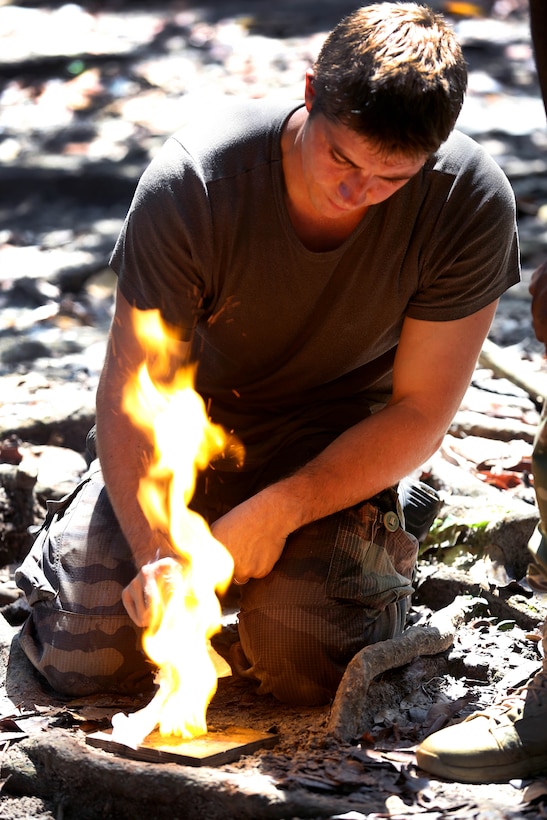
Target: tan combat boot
[505,741]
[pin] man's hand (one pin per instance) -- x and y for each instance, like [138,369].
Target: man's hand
[254,533]
[538,289]
[139,595]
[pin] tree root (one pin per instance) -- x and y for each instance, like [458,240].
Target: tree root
[347,718]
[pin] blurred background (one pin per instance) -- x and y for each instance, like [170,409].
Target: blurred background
[88,93]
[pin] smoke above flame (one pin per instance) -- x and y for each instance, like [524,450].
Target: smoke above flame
[185,609]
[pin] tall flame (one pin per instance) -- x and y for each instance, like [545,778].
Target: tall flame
[185,610]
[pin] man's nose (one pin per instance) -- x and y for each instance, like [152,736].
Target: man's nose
[354,188]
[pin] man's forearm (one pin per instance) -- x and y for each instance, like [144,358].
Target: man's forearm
[367,458]
[123,448]
[125,454]
[432,370]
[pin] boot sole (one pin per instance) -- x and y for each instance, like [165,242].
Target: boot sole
[502,773]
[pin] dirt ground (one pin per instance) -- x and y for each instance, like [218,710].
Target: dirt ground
[373,776]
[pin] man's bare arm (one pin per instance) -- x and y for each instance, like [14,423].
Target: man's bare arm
[433,368]
[122,447]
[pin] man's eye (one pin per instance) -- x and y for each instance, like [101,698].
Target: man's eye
[339,160]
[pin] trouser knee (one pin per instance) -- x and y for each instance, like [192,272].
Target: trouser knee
[290,662]
[341,583]
[302,664]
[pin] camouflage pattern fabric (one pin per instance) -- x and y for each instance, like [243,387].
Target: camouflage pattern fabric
[79,635]
[341,583]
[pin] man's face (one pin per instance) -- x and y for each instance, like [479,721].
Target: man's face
[343,173]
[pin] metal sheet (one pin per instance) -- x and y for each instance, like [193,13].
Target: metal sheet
[213,749]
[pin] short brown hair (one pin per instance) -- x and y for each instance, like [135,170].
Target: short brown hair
[394,73]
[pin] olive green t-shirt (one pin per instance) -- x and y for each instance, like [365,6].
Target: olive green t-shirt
[292,343]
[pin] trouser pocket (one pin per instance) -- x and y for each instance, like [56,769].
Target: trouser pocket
[373,558]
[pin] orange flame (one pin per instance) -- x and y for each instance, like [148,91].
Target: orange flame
[185,610]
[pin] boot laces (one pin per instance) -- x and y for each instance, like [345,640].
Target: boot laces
[533,693]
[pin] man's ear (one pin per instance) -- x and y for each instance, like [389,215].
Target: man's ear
[309,92]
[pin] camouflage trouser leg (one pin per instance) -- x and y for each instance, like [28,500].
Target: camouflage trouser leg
[342,583]
[79,635]
[537,572]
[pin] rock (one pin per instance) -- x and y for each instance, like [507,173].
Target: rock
[438,587]
[57,469]
[19,510]
[49,411]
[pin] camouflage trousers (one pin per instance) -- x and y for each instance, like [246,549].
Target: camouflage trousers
[341,583]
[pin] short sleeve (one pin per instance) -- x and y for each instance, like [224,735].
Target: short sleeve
[166,240]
